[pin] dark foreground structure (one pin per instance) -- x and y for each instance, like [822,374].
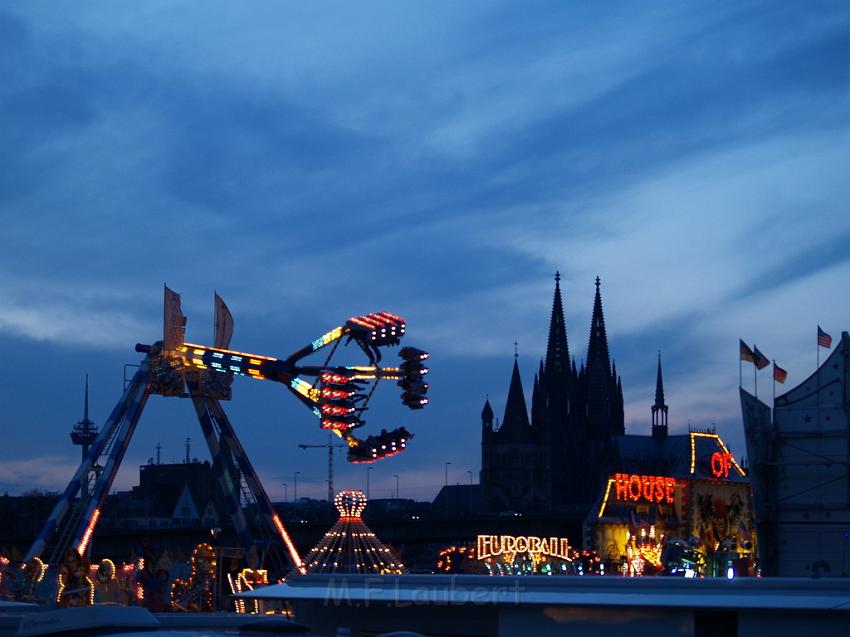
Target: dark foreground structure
[799,458]
[576,606]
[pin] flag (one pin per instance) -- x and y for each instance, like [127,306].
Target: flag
[779,374]
[747,353]
[759,359]
[174,323]
[824,339]
[223,324]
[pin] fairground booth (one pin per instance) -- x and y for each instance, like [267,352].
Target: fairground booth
[680,505]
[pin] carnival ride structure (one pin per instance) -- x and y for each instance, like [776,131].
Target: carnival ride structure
[338,397]
[350,546]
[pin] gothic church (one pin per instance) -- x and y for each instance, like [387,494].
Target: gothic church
[559,459]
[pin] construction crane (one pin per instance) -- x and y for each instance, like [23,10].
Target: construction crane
[330,447]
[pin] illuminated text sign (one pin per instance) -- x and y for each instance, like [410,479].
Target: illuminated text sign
[493,545]
[644,488]
[721,463]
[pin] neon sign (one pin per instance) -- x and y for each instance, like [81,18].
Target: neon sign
[721,463]
[653,489]
[493,545]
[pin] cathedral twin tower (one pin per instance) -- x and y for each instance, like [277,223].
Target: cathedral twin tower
[558,459]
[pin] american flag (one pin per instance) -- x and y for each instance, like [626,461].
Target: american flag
[824,339]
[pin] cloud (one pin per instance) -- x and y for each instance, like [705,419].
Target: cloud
[440,161]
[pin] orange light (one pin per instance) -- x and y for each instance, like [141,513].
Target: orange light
[658,489]
[253,357]
[695,434]
[605,499]
[289,545]
[84,542]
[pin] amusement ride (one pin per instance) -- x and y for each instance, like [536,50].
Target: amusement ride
[337,395]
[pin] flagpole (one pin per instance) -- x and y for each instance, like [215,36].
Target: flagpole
[774,383]
[817,373]
[755,374]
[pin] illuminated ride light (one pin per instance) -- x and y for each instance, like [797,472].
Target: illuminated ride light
[329,409]
[384,445]
[341,424]
[84,542]
[413,369]
[340,377]
[380,328]
[413,354]
[414,401]
[296,559]
[341,393]
[411,381]
[255,359]
[304,388]
[330,393]
[335,334]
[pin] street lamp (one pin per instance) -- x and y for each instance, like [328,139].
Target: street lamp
[295,488]
[368,473]
[285,492]
[447,473]
[395,475]
[470,476]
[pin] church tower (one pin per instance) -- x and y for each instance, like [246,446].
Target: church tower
[603,389]
[659,409]
[551,400]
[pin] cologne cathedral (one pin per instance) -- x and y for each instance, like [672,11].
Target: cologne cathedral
[559,459]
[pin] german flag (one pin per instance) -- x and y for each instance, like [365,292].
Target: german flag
[779,374]
[759,359]
[747,353]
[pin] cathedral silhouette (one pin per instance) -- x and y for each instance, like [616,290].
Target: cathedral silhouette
[560,459]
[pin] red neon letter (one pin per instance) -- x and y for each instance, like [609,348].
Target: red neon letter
[634,487]
[670,488]
[621,482]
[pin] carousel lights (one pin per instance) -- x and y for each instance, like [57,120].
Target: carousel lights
[36,569]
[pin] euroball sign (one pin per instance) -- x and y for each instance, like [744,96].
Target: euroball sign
[488,546]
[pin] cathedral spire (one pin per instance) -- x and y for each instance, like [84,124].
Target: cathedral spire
[487,414]
[659,409]
[659,385]
[602,409]
[557,349]
[515,423]
[597,350]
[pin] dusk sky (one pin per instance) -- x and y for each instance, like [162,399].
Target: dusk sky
[440,160]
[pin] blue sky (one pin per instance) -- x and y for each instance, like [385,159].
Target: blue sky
[440,160]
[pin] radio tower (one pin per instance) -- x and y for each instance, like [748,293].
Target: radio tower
[84,434]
